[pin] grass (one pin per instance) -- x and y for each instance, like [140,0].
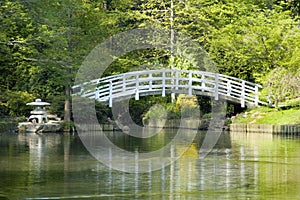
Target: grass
[265,115]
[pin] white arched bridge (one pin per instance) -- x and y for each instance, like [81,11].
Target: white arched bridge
[150,82]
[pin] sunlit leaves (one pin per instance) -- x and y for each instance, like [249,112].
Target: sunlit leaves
[16,43]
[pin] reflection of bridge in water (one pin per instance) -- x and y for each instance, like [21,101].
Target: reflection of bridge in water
[150,82]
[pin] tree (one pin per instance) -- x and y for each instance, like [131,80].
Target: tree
[73,27]
[19,41]
[253,44]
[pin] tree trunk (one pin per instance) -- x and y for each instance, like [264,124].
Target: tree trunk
[173,96]
[67,110]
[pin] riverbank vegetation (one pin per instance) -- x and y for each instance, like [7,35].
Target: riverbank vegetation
[265,115]
[43,43]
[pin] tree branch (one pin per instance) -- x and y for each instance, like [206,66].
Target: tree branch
[44,61]
[11,43]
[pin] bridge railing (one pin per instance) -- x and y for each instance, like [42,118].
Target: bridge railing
[149,82]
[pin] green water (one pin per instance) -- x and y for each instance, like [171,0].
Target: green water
[241,166]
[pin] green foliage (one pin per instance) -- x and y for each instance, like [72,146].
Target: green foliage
[281,85]
[43,43]
[15,103]
[183,108]
[103,112]
[67,125]
[57,105]
[253,44]
[156,112]
[293,103]
[186,105]
[206,116]
[17,43]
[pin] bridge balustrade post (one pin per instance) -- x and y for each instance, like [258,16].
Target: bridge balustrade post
[256,95]
[124,83]
[216,87]
[202,81]
[177,80]
[228,87]
[150,81]
[190,83]
[110,94]
[137,97]
[243,95]
[97,94]
[163,84]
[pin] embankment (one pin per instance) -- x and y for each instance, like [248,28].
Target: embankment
[266,128]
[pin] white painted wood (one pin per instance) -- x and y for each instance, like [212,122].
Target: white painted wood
[110,94]
[243,94]
[162,81]
[124,82]
[137,97]
[150,81]
[228,89]
[216,87]
[190,83]
[256,93]
[202,81]
[177,80]
[97,94]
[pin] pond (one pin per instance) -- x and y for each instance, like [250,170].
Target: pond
[241,166]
